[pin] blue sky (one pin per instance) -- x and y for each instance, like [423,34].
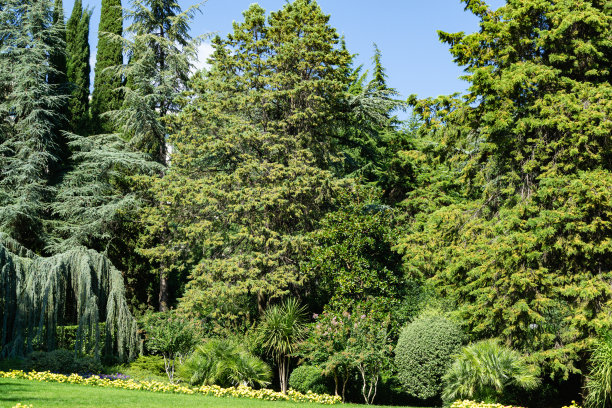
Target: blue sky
[404,30]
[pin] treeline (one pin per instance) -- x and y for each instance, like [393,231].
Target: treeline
[282,174]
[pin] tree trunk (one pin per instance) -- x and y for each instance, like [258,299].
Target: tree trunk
[283,371]
[163,292]
[336,384]
[346,376]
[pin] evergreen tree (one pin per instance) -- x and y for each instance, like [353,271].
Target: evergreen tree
[160,53]
[77,45]
[525,252]
[58,77]
[368,128]
[244,171]
[105,96]
[58,57]
[29,150]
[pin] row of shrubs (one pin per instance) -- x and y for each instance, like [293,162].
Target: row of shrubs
[430,363]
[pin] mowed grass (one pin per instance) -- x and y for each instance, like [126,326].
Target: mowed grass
[43,395]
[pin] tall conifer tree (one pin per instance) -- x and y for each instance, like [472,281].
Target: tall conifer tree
[78,69]
[106,96]
[29,149]
[526,253]
[58,56]
[245,174]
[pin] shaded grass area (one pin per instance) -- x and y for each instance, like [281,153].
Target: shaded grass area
[52,395]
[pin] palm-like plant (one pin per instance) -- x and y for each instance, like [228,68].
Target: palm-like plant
[599,380]
[224,363]
[483,370]
[281,328]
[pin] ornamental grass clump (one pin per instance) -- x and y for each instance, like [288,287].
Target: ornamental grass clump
[599,380]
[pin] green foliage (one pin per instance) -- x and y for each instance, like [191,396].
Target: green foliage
[106,96]
[342,343]
[160,56]
[29,137]
[351,261]
[97,194]
[79,286]
[367,128]
[530,147]
[424,353]
[62,361]
[78,69]
[248,174]
[309,378]
[225,363]
[599,379]
[171,336]
[279,332]
[67,336]
[57,56]
[149,364]
[485,370]
[370,351]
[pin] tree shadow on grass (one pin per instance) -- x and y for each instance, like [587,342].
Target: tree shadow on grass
[14,393]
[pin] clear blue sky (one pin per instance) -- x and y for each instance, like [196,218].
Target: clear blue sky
[404,30]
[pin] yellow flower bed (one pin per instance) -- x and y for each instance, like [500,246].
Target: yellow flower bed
[20,405]
[474,404]
[158,386]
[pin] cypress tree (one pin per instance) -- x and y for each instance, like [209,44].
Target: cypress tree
[77,36]
[106,96]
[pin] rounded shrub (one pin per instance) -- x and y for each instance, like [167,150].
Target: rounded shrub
[309,378]
[424,353]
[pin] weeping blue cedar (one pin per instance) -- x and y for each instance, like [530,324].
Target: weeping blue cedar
[79,286]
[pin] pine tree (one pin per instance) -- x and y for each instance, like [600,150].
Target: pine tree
[29,150]
[78,69]
[245,173]
[105,96]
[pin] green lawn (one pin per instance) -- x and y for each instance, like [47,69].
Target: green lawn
[43,395]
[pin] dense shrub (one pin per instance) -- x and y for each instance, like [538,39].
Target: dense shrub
[170,335]
[310,378]
[486,371]
[424,353]
[61,361]
[226,364]
[152,364]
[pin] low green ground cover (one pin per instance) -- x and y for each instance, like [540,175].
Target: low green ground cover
[50,395]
